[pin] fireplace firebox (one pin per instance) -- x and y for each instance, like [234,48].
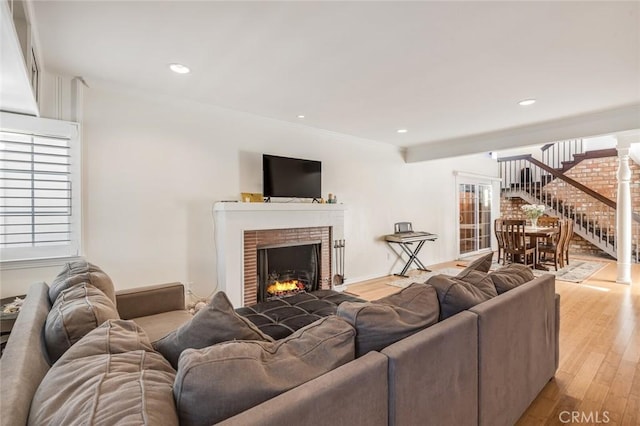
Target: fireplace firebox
[279,238]
[288,269]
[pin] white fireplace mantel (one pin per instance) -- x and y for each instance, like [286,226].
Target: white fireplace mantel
[231,219]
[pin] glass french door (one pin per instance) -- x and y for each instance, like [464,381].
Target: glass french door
[475,217]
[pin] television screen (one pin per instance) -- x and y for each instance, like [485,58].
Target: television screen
[291,177]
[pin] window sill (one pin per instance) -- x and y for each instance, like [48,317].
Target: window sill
[37,263]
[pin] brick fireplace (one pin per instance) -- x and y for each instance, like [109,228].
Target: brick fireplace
[242,228]
[254,240]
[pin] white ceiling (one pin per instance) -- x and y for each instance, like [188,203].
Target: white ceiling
[441,70]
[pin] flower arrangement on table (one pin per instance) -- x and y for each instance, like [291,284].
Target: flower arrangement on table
[533,212]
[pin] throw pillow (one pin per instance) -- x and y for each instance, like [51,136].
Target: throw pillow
[510,277]
[456,295]
[215,323]
[481,264]
[111,376]
[79,272]
[392,318]
[232,377]
[76,312]
[480,280]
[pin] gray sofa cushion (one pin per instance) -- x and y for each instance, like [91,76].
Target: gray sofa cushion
[510,277]
[222,380]
[159,325]
[392,318]
[76,311]
[216,323]
[481,264]
[456,295]
[111,376]
[78,272]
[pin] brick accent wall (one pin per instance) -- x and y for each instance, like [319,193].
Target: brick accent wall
[254,239]
[598,174]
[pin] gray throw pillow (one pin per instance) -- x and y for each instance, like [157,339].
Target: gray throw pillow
[481,264]
[456,295]
[510,277]
[76,312]
[217,322]
[79,272]
[223,380]
[390,319]
[111,376]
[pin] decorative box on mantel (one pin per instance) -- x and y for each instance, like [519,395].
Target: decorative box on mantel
[242,228]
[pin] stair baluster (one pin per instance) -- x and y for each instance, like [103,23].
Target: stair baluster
[593,215]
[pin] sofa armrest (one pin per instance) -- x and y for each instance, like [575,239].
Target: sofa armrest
[516,349]
[352,394]
[433,374]
[24,362]
[150,300]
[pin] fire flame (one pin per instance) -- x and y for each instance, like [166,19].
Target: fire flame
[279,287]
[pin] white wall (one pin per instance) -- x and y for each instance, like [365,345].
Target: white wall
[599,142]
[634,152]
[153,167]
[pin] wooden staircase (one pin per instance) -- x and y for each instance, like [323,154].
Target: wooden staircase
[594,215]
[579,157]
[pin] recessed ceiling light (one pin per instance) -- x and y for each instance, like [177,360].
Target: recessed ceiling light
[527,102]
[301,116]
[402,130]
[179,68]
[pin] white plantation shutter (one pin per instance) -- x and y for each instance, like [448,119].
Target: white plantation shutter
[39,188]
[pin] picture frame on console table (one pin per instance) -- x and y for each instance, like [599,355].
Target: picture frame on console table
[251,197]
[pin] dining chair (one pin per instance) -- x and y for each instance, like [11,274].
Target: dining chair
[549,222]
[567,242]
[497,228]
[515,242]
[556,245]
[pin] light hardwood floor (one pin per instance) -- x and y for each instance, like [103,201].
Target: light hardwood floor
[599,372]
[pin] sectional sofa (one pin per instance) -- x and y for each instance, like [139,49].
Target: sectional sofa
[481,366]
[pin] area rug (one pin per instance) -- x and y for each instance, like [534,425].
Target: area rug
[576,272]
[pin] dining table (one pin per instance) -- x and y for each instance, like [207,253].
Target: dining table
[535,233]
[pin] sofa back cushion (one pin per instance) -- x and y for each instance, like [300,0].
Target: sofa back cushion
[111,376]
[510,277]
[78,272]
[481,264]
[215,323]
[392,318]
[222,380]
[456,295]
[76,311]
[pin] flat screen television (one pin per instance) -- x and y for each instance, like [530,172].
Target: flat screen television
[291,177]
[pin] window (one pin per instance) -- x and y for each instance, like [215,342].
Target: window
[39,188]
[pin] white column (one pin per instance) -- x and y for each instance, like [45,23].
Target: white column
[623,219]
